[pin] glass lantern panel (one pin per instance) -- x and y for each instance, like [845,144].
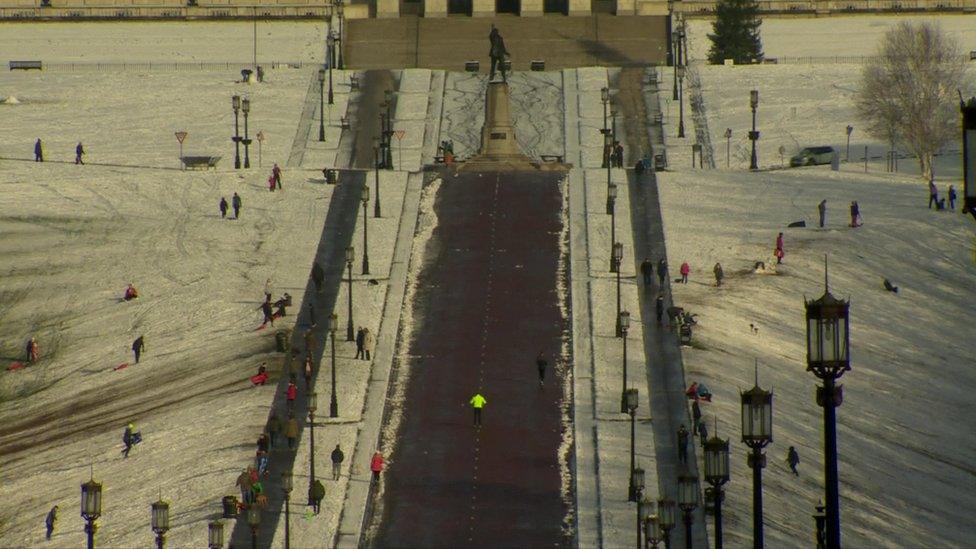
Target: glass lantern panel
[842,339]
[813,341]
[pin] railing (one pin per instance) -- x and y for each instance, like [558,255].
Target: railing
[169,66]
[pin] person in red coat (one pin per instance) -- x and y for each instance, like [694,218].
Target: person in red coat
[376,466]
[685,270]
[291,393]
[779,248]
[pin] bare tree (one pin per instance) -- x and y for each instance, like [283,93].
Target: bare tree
[907,94]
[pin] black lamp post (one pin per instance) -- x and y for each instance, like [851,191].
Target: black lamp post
[682,51]
[254,520]
[286,486]
[384,138]
[313,404]
[388,132]
[665,515]
[623,324]
[728,146]
[850,130]
[322,104]
[333,321]
[613,126]
[330,41]
[215,535]
[605,98]
[365,200]
[612,210]
[630,402]
[757,432]
[376,176]
[339,6]
[652,530]
[820,523]
[160,522]
[680,71]
[754,135]
[91,508]
[642,505]
[828,347]
[235,102]
[246,108]
[687,501]
[675,45]
[350,256]
[717,474]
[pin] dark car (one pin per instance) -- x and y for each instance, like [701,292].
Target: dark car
[812,156]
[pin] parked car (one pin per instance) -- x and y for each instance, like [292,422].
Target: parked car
[811,156]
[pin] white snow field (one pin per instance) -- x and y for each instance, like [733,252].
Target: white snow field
[904,451]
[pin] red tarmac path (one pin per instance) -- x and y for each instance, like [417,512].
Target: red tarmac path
[487,303]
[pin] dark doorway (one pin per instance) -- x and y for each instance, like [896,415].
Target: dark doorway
[556,6]
[508,6]
[459,7]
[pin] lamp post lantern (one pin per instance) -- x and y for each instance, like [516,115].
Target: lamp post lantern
[828,357]
[246,108]
[630,401]
[637,484]
[652,530]
[330,40]
[365,199]
[350,256]
[235,102]
[665,515]
[215,535]
[680,71]
[754,135]
[333,321]
[687,501]
[820,523]
[339,7]
[757,432]
[623,324]
[313,405]
[717,474]
[675,45]
[91,508]
[254,520]
[160,522]
[322,104]
[286,486]
[376,176]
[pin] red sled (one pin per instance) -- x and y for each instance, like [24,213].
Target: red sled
[120,366]
[259,379]
[15,366]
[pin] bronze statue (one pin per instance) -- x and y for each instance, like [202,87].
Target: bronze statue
[498,53]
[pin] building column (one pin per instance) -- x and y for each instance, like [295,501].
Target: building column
[387,8]
[530,8]
[580,7]
[435,8]
[483,8]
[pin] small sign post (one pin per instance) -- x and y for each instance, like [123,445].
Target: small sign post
[180,136]
[260,142]
[399,135]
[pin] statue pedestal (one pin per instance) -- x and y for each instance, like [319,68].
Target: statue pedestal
[498,134]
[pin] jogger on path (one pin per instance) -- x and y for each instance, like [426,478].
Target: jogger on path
[477,403]
[541,363]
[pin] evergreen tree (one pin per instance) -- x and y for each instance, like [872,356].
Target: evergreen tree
[735,33]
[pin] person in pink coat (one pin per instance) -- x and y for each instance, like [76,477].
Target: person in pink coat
[779,248]
[291,393]
[685,271]
[376,466]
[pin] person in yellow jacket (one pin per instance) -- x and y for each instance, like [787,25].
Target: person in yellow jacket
[477,403]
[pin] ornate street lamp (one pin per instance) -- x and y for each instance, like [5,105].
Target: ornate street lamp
[330,41]
[630,402]
[605,98]
[757,432]
[611,206]
[215,535]
[717,474]
[333,324]
[91,508]
[254,520]
[350,256]
[652,530]
[617,257]
[376,176]
[313,404]
[728,146]
[160,522]
[675,45]
[665,515]
[687,501]
[286,485]
[820,524]
[246,108]
[623,324]
[235,102]
[322,104]
[637,483]
[644,508]
[365,199]
[828,357]
[680,71]
[754,135]
[339,7]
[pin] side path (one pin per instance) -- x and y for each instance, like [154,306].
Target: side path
[337,233]
[665,371]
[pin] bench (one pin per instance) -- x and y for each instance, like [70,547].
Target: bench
[198,162]
[25,65]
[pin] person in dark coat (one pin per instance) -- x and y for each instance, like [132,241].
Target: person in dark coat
[318,492]
[38,151]
[952,197]
[719,274]
[855,214]
[540,364]
[662,272]
[360,341]
[79,152]
[933,193]
[223,207]
[618,152]
[274,429]
[702,431]
[291,430]
[263,442]
[139,347]
[318,276]
[890,287]
[659,308]
[268,313]
[236,203]
[822,210]
[128,439]
[647,271]
[51,520]
[276,174]
[793,459]
[695,411]
[337,459]
[683,444]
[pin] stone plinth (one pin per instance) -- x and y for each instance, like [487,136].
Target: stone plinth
[498,134]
